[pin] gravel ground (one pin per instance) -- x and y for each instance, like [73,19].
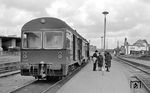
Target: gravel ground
[10,83]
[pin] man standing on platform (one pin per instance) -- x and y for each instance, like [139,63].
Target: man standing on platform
[100,61]
[108,58]
[94,57]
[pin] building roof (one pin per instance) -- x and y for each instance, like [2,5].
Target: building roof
[140,43]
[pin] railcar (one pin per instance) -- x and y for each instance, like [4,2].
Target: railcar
[51,48]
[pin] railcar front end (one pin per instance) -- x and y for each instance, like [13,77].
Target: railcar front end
[43,53]
[51,48]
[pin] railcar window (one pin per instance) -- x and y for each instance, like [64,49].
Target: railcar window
[32,40]
[53,40]
[68,40]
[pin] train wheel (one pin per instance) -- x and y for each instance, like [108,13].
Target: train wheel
[57,78]
[37,78]
[47,78]
[61,77]
[52,78]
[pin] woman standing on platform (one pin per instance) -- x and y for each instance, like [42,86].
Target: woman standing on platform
[108,58]
[100,61]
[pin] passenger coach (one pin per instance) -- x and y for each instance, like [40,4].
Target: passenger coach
[51,48]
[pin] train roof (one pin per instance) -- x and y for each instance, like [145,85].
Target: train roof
[49,23]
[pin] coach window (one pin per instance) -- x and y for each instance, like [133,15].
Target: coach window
[53,40]
[68,40]
[32,40]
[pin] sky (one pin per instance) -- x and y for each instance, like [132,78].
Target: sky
[126,18]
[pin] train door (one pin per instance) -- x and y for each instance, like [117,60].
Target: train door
[79,49]
[83,50]
[88,50]
[74,48]
[69,45]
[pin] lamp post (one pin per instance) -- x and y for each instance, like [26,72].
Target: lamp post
[101,42]
[105,13]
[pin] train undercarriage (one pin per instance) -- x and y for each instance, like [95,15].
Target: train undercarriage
[42,71]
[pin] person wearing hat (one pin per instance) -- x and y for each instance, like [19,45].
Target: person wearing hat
[94,57]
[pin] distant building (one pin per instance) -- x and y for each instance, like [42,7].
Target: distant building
[122,50]
[7,42]
[139,47]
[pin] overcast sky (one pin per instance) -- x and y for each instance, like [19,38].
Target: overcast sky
[126,18]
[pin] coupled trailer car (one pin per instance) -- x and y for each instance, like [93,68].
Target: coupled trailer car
[51,48]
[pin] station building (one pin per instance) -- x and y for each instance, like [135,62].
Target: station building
[140,47]
[9,42]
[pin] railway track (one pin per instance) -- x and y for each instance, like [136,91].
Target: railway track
[45,86]
[34,87]
[9,66]
[143,75]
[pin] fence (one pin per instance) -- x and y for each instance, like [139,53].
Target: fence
[7,67]
[6,53]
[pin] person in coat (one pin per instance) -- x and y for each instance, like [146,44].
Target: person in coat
[94,57]
[108,59]
[100,61]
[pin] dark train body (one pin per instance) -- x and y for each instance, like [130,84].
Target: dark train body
[51,48]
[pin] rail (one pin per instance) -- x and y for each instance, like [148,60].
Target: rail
[8,67]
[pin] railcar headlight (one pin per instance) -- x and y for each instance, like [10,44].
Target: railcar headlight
[43,21]
[24,54]
[42,62]
[60,55]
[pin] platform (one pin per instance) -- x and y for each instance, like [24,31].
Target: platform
[88,81]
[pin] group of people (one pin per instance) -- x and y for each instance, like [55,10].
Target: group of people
[98,60]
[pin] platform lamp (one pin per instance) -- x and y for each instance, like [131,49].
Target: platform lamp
[105,13]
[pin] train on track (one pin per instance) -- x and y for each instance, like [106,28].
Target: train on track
[51,48]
